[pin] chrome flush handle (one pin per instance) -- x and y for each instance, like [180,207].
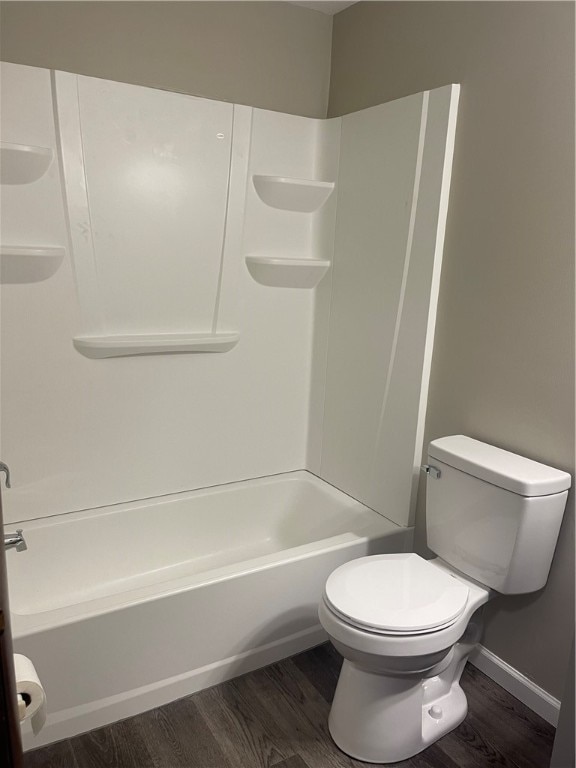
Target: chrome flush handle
[431,471]
[4,468]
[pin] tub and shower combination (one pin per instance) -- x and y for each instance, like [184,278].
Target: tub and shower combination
[153,600]
[218,362]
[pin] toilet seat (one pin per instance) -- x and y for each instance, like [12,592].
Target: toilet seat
[400,594]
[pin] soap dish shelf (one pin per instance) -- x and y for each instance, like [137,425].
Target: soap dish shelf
[287,272]
[302,195]
[29,263]
[98,347]
[23,163]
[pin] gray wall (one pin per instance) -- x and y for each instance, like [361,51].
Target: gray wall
[269,55]
[503,366]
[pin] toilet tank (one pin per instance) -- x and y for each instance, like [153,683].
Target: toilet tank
[493,515]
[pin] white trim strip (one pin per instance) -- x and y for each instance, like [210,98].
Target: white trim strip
[67,119]
[521,687]
[454,98]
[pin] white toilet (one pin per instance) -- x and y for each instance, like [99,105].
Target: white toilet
[405,626]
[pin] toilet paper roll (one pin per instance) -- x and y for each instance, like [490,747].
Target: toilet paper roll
[30,691]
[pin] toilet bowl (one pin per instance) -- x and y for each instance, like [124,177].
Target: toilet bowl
[406,626]
[403,626]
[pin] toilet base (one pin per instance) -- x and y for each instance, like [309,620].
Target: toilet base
[379,718]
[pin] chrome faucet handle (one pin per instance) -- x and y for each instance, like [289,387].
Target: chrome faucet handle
[15,541]
[4,468]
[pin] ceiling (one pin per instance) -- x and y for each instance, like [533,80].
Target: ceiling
[325,6]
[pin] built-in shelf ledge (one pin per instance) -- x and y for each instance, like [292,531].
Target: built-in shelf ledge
[29,263]
[287,272]
[23,163]
[154,344]
[303,195]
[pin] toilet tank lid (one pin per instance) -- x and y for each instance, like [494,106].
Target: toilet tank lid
[499,467]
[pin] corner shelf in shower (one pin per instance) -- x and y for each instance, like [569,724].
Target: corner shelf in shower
[29,263]
[302,195]
[23,163]
[98,347]
[287,272]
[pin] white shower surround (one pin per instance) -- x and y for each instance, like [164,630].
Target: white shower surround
[151,601]
[282,398]
[277,402]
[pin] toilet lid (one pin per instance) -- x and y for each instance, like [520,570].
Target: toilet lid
[400,593]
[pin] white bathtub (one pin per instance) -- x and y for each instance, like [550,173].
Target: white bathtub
[124,608]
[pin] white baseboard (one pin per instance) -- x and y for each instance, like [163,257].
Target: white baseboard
[530,694]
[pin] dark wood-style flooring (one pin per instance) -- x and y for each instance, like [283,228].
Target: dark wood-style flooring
[278,717]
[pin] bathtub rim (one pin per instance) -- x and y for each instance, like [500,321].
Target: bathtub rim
[24,624]
[129,504]
[29,623]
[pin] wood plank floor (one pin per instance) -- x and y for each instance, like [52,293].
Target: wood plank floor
[277,717]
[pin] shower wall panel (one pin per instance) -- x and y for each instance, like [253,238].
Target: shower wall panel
[79,433]
[393,183]
[156,166]
[155,206]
